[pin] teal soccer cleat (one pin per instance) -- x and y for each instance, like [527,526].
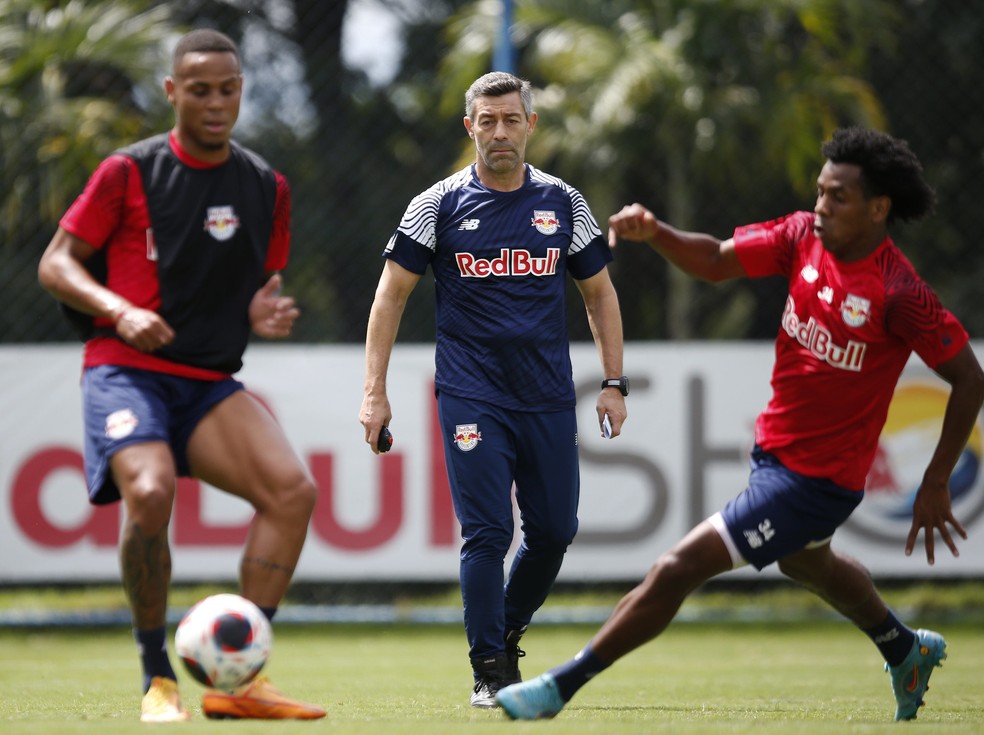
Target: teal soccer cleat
[535,699]
[910,679]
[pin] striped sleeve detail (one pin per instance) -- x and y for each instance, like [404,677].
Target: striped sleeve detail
[419,222]
[584,227]
[914,313]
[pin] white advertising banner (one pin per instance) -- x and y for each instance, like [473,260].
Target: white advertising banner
[683,454]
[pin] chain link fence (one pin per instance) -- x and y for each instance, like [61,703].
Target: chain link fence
[361,120]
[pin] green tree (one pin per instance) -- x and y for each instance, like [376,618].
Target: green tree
[372,150]
[75,83]
[930,83]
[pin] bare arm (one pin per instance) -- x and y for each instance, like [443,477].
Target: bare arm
[63,274]
[605,320]
[931,510]
[395,285]
[702,256]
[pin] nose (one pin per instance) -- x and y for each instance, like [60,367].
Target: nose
[820,205]
[214,101]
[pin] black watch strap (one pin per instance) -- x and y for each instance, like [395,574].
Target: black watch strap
[621,383]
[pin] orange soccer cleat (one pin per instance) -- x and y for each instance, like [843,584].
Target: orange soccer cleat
[257,700]
[162,703]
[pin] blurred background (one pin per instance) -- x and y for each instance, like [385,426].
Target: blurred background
[709,111]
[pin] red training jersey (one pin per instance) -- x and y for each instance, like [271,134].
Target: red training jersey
[847,331]
[112,213]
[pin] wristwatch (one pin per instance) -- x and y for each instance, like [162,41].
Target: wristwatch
[621,383]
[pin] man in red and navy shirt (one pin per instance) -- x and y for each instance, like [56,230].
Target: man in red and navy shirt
[166,263]
[856,310]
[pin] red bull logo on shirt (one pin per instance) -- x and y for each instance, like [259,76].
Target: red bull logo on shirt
[221,222]
[467,436]
[855,310]
[545,221]
[510,262]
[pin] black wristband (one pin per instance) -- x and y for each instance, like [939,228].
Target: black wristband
[621,383]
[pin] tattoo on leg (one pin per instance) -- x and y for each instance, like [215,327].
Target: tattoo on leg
[266,564]
[145,563]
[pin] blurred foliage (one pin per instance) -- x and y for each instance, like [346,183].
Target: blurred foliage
[709,111]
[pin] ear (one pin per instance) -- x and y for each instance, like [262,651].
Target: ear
[880,207]
[532,124]
[169,89]
[468,126]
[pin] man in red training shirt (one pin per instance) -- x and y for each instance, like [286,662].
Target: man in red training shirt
[855,311]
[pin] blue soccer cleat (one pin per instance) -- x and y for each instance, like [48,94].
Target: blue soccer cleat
[535,699]
[910,679]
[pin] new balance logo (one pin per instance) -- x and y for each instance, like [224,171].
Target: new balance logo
[889,636]
[468,224]
[757,537]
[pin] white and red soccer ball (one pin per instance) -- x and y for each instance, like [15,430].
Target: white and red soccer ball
[224,641]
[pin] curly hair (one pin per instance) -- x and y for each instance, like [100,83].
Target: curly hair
[888,168]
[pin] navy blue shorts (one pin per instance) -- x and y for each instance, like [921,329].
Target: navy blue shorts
[487,448]
[781,512]
[123,406]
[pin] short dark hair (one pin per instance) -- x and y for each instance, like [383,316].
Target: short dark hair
[497,84]
[888,168]
[201,41]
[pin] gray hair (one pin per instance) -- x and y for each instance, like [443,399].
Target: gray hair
[497,84]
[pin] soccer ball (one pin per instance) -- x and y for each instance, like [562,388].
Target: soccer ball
[224,641]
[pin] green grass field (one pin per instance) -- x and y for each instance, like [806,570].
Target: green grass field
[823,677]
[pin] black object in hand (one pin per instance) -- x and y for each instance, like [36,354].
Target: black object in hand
[385,441]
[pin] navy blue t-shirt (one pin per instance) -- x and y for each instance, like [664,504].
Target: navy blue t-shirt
[499,261]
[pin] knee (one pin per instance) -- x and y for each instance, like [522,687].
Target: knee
[149,506]
[145,475]
[548,536]
[673,572]
[486,543]
[670,567]
[294,500]
[548,543]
